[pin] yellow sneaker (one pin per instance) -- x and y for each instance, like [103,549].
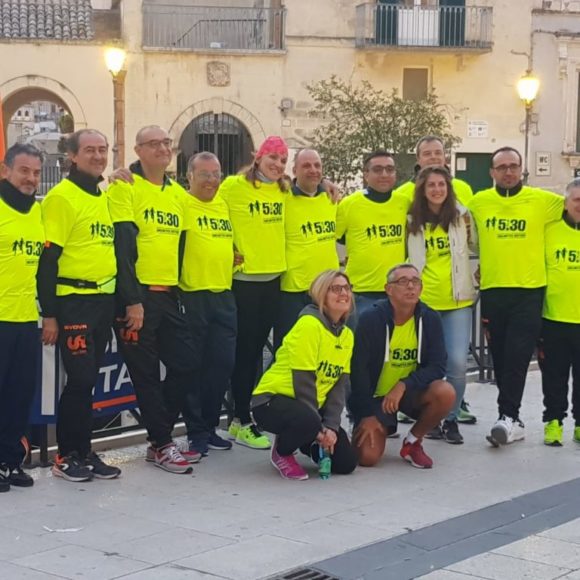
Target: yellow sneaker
[554,433]
[250,436]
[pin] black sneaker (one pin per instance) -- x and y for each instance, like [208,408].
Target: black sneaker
[99,468]
[451,433]
[435,433]
[72,468]
[4,478]
[19,478]
[218,443]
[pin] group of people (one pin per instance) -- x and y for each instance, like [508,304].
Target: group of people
[197,280]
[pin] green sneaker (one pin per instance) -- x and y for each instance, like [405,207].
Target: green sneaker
[553,433]
[250,436]
[577,433]
[402,418]
[464,416]
[234,429]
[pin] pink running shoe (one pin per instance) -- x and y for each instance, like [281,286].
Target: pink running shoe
[287,465]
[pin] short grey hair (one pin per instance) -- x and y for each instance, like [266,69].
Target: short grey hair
[428,139]
[575,183]
[21,149]
[404,265]
[145,129]
[201,156]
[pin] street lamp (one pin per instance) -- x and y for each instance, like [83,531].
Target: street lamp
[528,87]
[115,59]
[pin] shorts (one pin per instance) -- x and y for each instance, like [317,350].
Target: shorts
[410,405]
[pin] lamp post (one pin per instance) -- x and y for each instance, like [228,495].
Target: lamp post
[527,86]
[115,59]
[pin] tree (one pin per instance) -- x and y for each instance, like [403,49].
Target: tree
[360,119]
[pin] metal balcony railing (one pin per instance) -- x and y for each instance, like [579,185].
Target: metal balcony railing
[170,27]
[428,27]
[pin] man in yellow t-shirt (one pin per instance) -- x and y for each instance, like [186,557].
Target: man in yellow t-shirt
[372,224]
[21,241]
[210,308]
[149,213]
[560,338]
[511,219]
[430,152]
[76,285]
[398,364]
[310,230]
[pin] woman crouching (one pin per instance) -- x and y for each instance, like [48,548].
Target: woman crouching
[300,398]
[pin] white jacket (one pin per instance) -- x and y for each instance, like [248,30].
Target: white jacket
[462,239]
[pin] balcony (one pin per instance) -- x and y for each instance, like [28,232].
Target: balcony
[213,28]
[445,28]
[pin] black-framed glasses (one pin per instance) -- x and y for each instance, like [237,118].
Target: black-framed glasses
[157,143]
[405,282]
[512,167]
[378,169]
[340,288]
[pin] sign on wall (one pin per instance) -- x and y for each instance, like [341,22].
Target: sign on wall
[543,163]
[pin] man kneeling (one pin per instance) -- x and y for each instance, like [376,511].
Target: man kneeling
[398,364]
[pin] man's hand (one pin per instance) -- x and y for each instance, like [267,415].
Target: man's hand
[134,316]
[327,439]
[121,174]
[392,400]
[238,258]
[369,429]
[332,190]
[49,331]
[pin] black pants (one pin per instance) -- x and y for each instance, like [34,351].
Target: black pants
[19,352]
[165,338]
[212,320]
[297,426]
[257,304]
[559,352]
[291,304]
[512,318]
[84,327]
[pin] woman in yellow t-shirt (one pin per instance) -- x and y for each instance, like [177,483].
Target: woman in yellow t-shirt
[301,396]
[255,200]
[439,241]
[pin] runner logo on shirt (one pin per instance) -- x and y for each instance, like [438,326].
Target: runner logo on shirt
[318,228]
[329,370]
[26,247]
[506,227]
[433,243]
[99,230]
[162,218]
[568,256]
[375,231]
[269,211]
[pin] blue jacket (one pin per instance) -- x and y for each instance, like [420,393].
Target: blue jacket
[371,350]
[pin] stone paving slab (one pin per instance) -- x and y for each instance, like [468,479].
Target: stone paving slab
[234,500]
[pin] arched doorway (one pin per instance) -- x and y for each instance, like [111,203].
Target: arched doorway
[221,134]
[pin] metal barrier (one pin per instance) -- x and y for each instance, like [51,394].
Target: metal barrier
[457,27]
[174,27]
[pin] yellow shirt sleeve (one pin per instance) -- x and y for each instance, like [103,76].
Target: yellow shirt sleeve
[59,218]
[302,344]
[120,195]
[554,204]
[342,218]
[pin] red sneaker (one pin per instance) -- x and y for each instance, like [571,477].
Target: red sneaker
[414,454]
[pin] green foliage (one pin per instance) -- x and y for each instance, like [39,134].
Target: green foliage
[356,120]
[66,123]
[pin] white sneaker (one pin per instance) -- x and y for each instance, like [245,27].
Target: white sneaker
[505,431]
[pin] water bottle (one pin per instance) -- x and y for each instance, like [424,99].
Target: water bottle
[324,464]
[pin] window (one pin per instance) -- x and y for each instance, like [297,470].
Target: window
[415,83]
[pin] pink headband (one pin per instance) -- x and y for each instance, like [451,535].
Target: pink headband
[272,145]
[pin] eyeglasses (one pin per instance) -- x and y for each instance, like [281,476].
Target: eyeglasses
[157,143]
[405,282]
[207,175]
[505,168]
[378,169]
[340,288]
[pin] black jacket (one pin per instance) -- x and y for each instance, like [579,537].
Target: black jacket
[371,349]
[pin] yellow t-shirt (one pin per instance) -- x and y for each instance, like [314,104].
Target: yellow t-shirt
[21,242]
[562,301]
[511,235]
[81,224]
[375,238]
[309,346]
[158,211]
[209,246]
[402,361]
[257,216]
[437,285]
[310,240]
[462,189]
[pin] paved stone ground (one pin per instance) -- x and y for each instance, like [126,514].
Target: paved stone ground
[236,519]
